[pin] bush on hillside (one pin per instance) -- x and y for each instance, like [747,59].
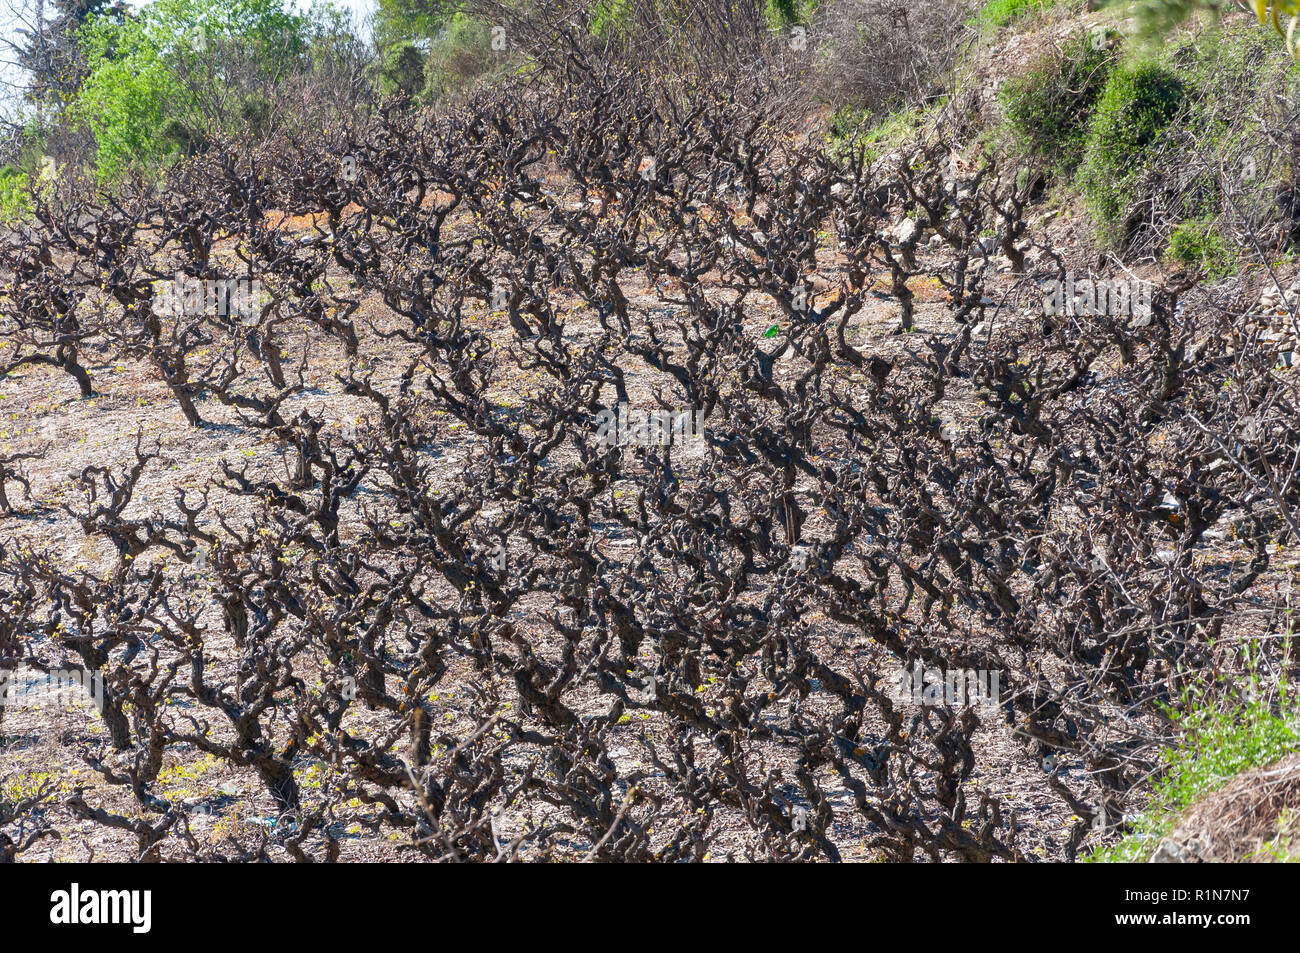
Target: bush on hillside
[1197,244]
[1162,183]
[1050,106]
[1136,105]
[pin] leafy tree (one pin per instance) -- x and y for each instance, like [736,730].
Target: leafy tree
[158,82]
[611,18]
[786,13]
[13,192]
[128,96]
[398,20]
[401,70]
[460,55]
[51,53]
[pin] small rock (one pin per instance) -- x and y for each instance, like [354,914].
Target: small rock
[1191,851]
[906,231]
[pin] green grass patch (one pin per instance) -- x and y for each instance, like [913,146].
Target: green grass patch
[1220,741]
[998,13]
[1198,244]
[852,128]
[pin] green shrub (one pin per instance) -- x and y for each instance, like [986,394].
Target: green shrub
[847,125]
[1198,244]
[781,14]
[14,199]
[1136,105]
[611,18]
[1230,66]
[1221,740]
[461,54]
[1049,107]
[852,128]
[1167,137]
[401,70]
[127,97]
[155,80]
